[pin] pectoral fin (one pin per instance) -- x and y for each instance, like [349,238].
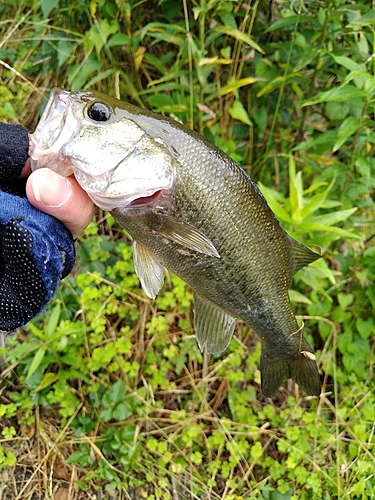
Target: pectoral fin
[213,327]
[149,271]
[186,235]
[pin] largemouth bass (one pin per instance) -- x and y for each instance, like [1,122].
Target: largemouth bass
[189,208]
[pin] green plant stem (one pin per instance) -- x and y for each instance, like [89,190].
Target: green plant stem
[280,94]
[190,57]
[202,48]
[301,128]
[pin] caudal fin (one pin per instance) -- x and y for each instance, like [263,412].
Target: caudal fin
[301,368]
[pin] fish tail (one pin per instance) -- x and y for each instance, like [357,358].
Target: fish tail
[301,368]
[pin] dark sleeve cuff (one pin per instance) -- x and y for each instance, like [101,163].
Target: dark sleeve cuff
[14,150]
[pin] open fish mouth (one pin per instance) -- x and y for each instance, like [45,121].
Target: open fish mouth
[145,201]
[160,198]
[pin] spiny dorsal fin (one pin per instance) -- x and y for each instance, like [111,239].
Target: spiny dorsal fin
[301,255]
[213,327]
[149,271]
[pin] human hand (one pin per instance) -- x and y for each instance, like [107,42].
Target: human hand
[36,250]
[60,197]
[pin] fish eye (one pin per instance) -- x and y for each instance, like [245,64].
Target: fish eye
[99,112]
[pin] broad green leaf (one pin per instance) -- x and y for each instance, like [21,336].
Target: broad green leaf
[364,167]
[127,433]
[227,19]
[35,330]
[346,62]
[287,21]
[331,204]
[159,101]
[342,93]
[334,217]
[274,204]
[7,110]
[328,138]
[348,127]
[118,391]
[206,61]
[312,226]
[53,320]
[108,28]
[106,414]
[164,31]
[165,103]
[81,456]
[122,412]
[118,39]
[314,187]
[365,327]
[238,112]
[98,34]
[238,35]
[162,87]
[365,20]
[337,110]
[79,74]
[298,297]
[64,50]
[63,342]
[100,76]
[169,37]
[236,84]
[47,6]
[155,26]
[169,77]
[38,358]
[158,64]
[362,276]
[260,117]
[345,299]
[279,81]
[93,39]
[324,269]
[47,380]
[315,202]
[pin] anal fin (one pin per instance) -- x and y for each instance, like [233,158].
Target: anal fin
[213,326]
[149,271]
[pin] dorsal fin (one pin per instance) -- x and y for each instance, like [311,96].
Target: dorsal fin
[301,255]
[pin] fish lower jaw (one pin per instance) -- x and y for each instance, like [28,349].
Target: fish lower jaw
[145,200]
[110,203]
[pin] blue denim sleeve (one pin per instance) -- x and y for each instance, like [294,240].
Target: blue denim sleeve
[36,250]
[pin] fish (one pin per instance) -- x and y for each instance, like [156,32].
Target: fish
[191,209]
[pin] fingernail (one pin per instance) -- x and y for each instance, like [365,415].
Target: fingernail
[51,189]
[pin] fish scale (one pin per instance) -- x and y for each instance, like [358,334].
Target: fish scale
[205,220]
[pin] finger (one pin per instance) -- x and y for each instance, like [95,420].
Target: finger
[61,197]
[26,171]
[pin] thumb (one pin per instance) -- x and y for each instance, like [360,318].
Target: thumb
[61,197]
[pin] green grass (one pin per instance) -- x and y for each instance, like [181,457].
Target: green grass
[107,392]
